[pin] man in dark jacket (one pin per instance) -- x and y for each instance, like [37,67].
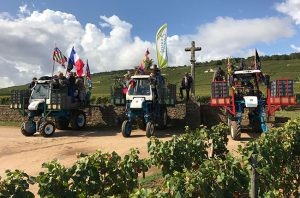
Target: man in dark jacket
[186,82]
[219,75]
[32,84]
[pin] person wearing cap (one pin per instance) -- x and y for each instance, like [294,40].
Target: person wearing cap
[186,84]
[32,84]
[219,74]
[127,78]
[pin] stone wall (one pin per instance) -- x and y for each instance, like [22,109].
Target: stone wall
[7,114]
[180,115]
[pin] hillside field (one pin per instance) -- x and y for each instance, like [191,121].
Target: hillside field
[275,68]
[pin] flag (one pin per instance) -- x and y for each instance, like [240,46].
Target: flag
[260,76]
[228,61]
[229,66]
[161,46]
[147,54]
[59,57]
[87,71]
[257,61]
[141,69]
[74,59]
[89,83]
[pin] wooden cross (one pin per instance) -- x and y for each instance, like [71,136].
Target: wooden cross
[193,49]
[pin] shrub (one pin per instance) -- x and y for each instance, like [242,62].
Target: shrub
[16,184]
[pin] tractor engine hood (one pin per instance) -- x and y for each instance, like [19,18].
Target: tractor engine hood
[35,104]
[251,101]
[137,103]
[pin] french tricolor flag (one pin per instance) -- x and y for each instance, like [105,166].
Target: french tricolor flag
[74,59]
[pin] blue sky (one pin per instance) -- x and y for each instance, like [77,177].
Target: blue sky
[183,17]
[114,34]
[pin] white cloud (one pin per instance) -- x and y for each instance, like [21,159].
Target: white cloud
[23,10]
[295,47]
[227,37]
[5,15]
[290,8]
[27,42]
[6,82]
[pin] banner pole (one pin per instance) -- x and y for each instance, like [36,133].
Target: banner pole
[53,68]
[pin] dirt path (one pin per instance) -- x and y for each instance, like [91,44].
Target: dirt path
[28,153]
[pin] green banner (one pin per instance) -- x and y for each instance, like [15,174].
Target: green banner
[161,46]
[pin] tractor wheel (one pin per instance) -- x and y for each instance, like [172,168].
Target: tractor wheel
[235,130]
[163,122]
[78,120]
[47,128]
[126,128]
[62,123]
[28,128]
[149,129]
[229,125]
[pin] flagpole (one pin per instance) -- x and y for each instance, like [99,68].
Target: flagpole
[255,66]
[66,71]
[53,61]
[86,72]
[53,68]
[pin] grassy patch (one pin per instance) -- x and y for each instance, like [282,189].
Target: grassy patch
[288,114]
[152,181]
[275,68]
[9,123]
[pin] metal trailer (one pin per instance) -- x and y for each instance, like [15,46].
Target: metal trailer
[144,105]
[280,92]
[46,109]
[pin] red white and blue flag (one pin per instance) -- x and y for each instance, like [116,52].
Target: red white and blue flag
[74,60]
[59,57]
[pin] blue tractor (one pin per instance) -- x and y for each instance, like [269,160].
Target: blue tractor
[247,103]
[46,108]
[146,104]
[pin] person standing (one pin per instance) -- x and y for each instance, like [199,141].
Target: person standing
[186,83]
[219,75]
[32,84]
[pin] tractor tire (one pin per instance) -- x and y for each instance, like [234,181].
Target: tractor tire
[163,121]
[28,128]
[126,128]
[62,123]
[149,129]
[47,128]
[235,130]
[78,120]
[229,125]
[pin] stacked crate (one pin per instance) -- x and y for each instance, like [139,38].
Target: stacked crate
[19,99]
[219,89]
[282,92]
[282,88]
[220,94]
[118,98]
[170,95]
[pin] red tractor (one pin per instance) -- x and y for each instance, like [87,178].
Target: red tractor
[243,100]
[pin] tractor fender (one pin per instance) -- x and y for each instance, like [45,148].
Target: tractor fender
[137,103]
[34,105]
